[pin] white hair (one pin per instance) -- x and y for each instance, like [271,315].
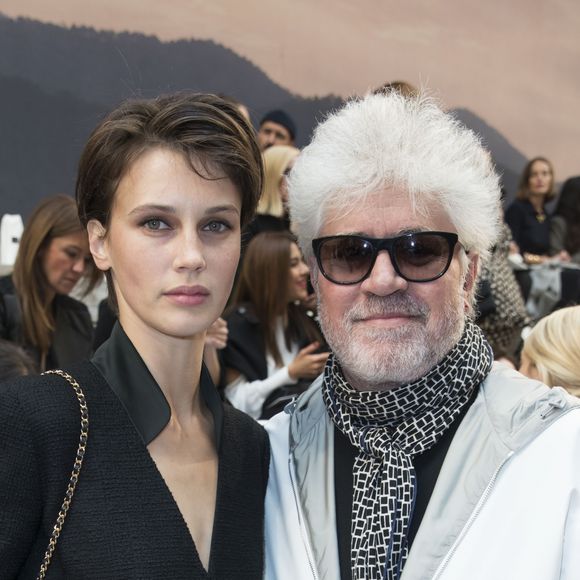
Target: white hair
[391,141]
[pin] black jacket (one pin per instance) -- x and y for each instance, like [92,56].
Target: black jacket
[73,335]
[529,233]
[246,353]
[123,523]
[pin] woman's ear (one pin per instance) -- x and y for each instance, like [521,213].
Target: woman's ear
[98,244]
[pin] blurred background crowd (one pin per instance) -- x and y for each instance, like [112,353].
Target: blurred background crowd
[267,346]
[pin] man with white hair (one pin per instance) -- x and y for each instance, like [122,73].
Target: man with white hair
[413,456]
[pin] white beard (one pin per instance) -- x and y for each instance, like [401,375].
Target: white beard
[383,358]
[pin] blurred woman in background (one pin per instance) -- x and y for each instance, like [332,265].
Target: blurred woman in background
[52,258]
[565,223]
[14,361]
[551,352]
[527,216]
[272,214]
[273,349]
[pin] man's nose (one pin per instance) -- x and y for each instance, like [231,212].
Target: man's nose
[383,279]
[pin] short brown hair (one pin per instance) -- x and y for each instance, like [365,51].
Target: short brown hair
[209,131]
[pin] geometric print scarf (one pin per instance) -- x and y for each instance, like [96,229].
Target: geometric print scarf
[389,428]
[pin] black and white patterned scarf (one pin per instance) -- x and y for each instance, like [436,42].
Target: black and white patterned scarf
[389,428]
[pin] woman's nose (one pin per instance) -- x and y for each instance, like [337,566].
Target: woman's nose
[189,254]
[79,264]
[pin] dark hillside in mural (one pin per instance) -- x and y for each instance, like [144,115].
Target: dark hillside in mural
[507,158]
[55,83]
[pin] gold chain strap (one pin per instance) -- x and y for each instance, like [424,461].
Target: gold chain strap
[75,472]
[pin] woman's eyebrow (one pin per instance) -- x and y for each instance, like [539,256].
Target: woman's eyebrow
[222,208]
[153,207]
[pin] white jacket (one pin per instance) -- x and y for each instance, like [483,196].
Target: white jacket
[506,504]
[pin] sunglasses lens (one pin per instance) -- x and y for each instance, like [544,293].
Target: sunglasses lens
[422,256]
[345,260]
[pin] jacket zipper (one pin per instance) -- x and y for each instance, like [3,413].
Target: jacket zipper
[482,501]
[548,409]
[303,531]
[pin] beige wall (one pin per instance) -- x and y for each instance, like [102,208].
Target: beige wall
[515,63]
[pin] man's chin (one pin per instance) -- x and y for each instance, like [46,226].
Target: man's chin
[376,335]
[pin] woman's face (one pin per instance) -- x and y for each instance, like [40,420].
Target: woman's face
[172,245]
[540,181]
[298,279]
[64,261]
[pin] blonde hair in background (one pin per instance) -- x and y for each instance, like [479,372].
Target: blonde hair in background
[276,161]
[553,346]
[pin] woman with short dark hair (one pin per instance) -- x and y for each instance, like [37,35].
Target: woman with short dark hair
[167,481]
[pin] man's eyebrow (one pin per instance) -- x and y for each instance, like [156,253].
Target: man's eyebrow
[394,235]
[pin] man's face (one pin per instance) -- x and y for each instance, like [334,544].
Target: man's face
[384,330]
[271,133]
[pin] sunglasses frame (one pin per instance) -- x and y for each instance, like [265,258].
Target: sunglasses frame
[380,244]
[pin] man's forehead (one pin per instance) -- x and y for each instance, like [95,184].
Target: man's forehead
[385,214]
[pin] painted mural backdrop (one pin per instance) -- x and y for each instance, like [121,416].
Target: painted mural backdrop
[508,70]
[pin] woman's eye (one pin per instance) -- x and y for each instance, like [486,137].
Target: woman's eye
[155,224]
[72,254]
[217,227]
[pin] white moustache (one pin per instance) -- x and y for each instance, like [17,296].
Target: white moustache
[395,304]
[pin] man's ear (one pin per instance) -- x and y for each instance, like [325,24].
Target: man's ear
[470,284]
[472,273]
[98,244]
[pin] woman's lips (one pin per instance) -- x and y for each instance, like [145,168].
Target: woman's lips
[188,295]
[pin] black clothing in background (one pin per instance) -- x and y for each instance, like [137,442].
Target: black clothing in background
[73,335]
[245,352]
[123,523]
[264,223]
[530,231]
[427,467]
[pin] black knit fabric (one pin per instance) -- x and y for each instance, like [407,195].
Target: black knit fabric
[124,522]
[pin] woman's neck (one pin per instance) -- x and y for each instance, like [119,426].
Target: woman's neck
[537,201]
[175,364]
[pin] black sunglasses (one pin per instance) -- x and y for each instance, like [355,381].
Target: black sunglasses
[416,257]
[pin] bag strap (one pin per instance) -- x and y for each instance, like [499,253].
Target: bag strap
[75,471]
